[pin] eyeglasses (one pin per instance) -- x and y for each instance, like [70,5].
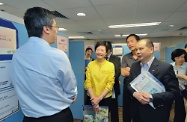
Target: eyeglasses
[54,26]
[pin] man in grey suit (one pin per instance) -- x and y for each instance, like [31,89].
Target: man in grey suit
[142,111]
[116,90]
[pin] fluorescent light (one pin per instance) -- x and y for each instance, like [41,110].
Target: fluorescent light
[118,35]
[1,3]
[81,14]
[76,37]
[143,34]
[171,25]
[134,25]
[62,29]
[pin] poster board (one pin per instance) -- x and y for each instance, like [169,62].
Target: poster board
[117,50]
[8,39]
[63,43]
[8,99]
[89,115]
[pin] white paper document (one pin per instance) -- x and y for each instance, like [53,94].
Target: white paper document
[146,82]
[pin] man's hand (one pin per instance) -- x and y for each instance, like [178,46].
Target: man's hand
[142,97]
[128,69]
[74,99]
[125,71]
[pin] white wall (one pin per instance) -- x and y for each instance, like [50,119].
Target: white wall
[167,42]
[11,17]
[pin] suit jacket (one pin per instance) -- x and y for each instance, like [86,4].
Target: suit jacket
[117,64]
[162,101]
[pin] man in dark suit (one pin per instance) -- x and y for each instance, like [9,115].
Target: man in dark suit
[185,48]
[116,90]
[142,111]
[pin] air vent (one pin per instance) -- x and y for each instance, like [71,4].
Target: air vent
[183,28]
[57,14]
[86,33]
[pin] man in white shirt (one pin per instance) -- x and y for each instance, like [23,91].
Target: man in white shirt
[42,76]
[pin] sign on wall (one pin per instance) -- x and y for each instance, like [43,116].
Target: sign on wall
[8,99]
[8,39]
[117,50]
[156,47]
[62,43]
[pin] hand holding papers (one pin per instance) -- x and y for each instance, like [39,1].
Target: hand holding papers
[146,82]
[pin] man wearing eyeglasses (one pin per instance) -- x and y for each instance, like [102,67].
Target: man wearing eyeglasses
[42,76]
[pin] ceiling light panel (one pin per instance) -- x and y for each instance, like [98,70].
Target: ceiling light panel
[76,37]
[81,14]
[134,25]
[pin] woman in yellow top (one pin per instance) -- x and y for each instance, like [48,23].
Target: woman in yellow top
[99,79]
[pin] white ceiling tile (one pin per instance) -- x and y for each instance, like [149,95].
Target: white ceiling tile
[102,13]
[151,17]
[159,5]
[178,16]
[72,13]
[183,7]
[111,2]
[114,11]
[64,4]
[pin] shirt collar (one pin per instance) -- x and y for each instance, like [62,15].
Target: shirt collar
[149,62]
[109,55]
[182,66]
[130,55]
[38,40]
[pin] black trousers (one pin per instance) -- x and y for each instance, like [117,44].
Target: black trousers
[63,116]
[126,103]
[114,110]
[103,102]
[179,109]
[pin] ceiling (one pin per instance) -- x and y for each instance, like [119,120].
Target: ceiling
[102,13]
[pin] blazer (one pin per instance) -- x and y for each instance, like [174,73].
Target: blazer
[162,101]
[117,65]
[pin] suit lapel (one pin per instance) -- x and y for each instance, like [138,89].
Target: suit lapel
[154,66]
[139,69]
[111,58]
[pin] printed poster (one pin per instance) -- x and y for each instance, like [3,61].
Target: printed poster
[62,43]
[8,99]
[7,40]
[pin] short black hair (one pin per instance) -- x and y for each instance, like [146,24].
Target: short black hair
[88,48]
[36,18]
[136,37]
[108,45]
[101,43]
[185,46]
[177,52]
